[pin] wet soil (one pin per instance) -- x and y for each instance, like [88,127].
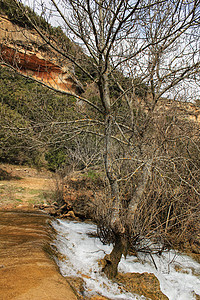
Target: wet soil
[27,269]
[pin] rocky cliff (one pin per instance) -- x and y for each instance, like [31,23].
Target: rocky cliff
[26,51]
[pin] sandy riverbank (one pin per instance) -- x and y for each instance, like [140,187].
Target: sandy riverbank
[27,271]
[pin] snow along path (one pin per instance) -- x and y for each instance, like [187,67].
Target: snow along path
[82,252]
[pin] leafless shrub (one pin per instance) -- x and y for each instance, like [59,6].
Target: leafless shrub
[58,188]
[167,214]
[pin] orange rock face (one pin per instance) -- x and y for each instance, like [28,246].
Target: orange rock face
[19,48]
[145,284]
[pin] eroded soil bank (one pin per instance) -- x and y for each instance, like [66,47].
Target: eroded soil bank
[27,270]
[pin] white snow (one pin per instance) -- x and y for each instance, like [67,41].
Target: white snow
[81,253]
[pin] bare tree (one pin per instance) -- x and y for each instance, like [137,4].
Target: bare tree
[144,50]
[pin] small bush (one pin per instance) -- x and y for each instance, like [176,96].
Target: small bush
[56,159]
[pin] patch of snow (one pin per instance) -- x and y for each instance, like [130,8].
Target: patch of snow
[81,251]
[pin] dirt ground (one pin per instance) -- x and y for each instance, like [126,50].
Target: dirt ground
[25,187]
[27,270]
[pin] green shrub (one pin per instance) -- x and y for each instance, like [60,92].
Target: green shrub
[56,159]
[15,12]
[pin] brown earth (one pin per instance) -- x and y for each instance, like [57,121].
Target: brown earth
[25,187]
[26,269]
[145,284]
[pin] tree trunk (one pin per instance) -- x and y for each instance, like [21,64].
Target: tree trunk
[111,261]
[108,154]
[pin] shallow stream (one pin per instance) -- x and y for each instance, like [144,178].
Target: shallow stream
[76,242]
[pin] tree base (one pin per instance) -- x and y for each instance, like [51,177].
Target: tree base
[111,261]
